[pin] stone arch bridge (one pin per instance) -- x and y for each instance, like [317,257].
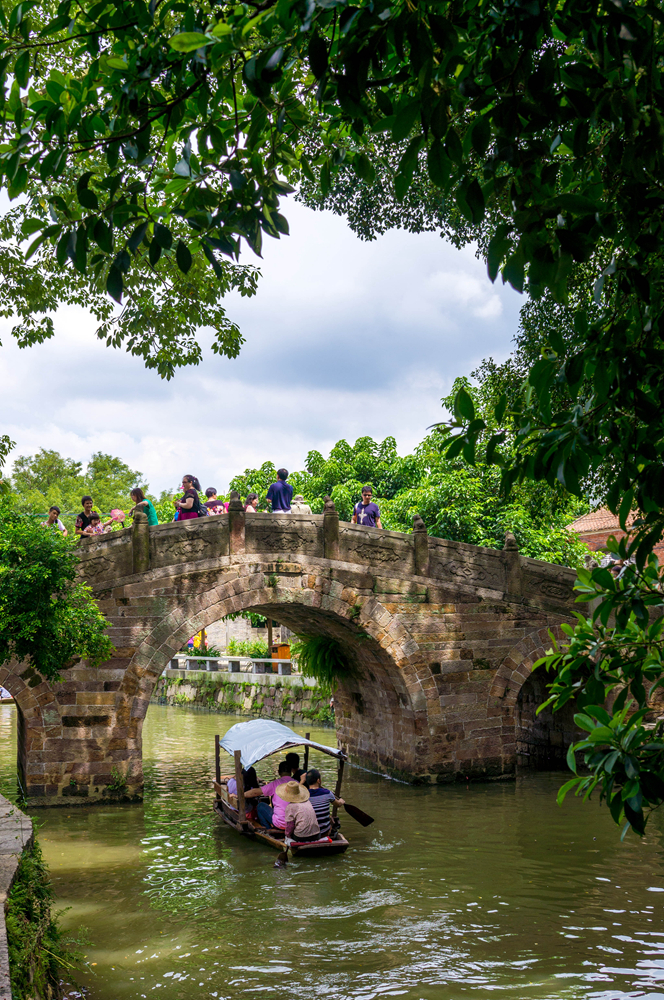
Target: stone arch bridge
[443,637]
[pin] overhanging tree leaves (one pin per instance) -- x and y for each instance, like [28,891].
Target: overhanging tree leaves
[147,129]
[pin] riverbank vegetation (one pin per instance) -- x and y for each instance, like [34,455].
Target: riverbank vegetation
[38,957]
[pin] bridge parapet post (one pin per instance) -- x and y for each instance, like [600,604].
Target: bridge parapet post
[330,530]
[512,561]
[140,543]
[421,544]
[237,525]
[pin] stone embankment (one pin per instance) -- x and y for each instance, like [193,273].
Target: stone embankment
[15,835]
[291,699]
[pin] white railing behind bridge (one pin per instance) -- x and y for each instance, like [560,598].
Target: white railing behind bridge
[234,664]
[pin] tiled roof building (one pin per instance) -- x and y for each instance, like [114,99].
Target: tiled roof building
[595,528]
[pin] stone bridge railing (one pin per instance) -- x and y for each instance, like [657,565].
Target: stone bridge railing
[401,563]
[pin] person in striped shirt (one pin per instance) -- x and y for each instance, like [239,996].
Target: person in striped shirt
[321,799]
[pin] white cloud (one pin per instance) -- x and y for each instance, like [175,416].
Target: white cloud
[344,338]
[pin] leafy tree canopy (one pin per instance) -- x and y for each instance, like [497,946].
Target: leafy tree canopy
[456,501]
[47,616]
[41,480]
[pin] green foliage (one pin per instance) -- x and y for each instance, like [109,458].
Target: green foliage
[207,651]
[615,657]
[456,501]
[118,781]
[257,621]
[248,647]
[323,659]
[46,615]
[6,445]
[37,955]
[46,479]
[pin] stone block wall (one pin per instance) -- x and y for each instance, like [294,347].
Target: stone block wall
[286,699]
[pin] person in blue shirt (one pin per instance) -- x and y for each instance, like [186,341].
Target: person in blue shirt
[280,493]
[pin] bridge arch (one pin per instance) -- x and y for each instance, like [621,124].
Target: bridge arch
[37,718]
[540,740]
[380,709]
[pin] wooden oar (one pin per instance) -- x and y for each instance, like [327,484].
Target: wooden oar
[357,814]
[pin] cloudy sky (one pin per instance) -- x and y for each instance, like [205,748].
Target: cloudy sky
[344,338]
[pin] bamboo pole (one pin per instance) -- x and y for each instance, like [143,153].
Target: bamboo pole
[239,779]
[307,736]
[217,764]
[337,790]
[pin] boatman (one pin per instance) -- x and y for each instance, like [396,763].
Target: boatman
[321,800]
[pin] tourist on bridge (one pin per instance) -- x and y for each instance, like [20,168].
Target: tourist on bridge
[213,504]
[141,503]
[190,504]
[54,521]
[298,505]
[84,518]
[96,527]
[321,800]
[274,815]
[280,493]
[251,503]
[366,512]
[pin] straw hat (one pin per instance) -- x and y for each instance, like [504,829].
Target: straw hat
[292,791]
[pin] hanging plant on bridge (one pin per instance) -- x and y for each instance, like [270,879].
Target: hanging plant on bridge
[47,616]
[324,659]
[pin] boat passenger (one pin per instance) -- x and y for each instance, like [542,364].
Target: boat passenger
[301,822]
[272,815]
[293,759]
[250,780]
[321,800]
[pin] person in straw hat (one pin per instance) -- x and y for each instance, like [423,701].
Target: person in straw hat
[298,506]
[301,822]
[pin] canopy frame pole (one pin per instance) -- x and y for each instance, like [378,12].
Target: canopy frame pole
[307,736]
[217,764]
[337,789]
[239,780]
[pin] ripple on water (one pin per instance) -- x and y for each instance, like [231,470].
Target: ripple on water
[453,892]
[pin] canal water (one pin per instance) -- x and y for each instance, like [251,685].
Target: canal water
[453,892]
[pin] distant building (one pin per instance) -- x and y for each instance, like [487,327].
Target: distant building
[595,528]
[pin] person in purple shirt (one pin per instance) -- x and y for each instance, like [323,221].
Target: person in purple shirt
[280,493]
[366,512]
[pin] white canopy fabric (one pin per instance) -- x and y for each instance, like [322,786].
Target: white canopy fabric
[259,738]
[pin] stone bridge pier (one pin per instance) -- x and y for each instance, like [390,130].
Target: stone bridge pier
[441,638]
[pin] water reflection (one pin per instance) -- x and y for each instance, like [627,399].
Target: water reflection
[453,892]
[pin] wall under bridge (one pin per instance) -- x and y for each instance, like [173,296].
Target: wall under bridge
[440,638]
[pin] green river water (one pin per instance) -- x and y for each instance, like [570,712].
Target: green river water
[454,891]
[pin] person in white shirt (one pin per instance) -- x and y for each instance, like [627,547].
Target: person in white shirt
[54,521]
[298,506]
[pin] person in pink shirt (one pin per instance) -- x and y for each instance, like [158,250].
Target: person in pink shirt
[274,815]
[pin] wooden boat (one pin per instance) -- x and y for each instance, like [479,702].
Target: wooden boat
[249,742]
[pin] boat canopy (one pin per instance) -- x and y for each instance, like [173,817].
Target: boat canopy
[260,738]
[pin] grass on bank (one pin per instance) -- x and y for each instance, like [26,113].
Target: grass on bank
[38,956]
